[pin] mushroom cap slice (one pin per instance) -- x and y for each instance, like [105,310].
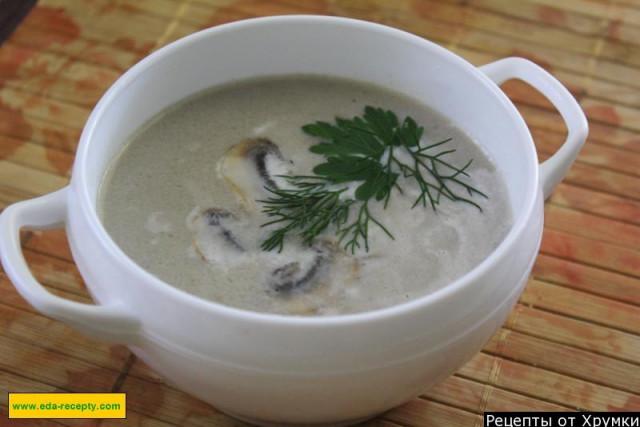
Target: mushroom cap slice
[251,166]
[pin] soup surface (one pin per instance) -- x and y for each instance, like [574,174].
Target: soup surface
[184,201]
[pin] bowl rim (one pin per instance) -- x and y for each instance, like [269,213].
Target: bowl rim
[80,171]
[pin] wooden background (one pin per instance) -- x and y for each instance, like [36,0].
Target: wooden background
[572,342]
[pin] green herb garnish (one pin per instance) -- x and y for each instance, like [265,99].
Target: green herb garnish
[363,149]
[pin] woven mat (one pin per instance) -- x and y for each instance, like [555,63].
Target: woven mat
[573,340]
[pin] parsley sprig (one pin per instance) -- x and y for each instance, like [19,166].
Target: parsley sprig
[362,149]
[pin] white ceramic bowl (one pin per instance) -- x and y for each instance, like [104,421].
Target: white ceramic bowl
[278,369]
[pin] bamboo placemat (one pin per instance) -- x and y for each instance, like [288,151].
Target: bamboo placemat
[573,340]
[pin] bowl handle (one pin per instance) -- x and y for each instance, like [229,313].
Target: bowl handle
[105,322]
[554,169]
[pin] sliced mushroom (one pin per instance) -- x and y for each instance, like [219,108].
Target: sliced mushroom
[302,273]
[217,235]
[316,281]
[251,165]
[215,218]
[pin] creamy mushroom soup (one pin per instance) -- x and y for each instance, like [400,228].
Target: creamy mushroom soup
[190,194]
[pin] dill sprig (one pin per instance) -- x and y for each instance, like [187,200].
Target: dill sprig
[310,206]
[362,149]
